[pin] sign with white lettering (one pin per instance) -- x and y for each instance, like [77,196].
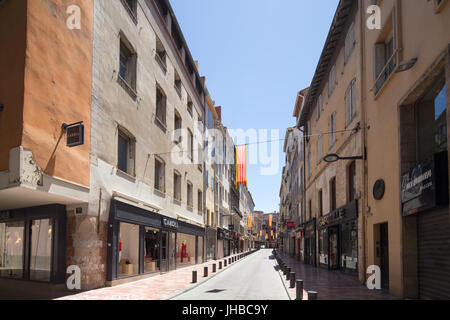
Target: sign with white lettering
[170,223]
[426,185]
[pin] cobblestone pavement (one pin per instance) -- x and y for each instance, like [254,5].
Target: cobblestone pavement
[330,285]
[160,287]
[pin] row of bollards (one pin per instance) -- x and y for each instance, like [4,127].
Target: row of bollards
[230,260]
[293,281]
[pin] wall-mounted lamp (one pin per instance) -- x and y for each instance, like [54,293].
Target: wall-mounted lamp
[332,157]
[406,65]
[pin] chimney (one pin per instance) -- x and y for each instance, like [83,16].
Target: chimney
[219,113]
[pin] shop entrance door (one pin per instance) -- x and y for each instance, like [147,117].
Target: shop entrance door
[333,247]
[164,251]
[384,256]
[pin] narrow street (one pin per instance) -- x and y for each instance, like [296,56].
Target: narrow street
[253,278]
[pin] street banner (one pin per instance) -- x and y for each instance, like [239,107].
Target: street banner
[249,222]
[241,165]
[270,221]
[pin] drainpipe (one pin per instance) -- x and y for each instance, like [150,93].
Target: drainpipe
[365,195]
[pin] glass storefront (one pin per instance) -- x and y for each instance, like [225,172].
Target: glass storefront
[128,250]
[349,248]
[145,242]
[11,249]
[323,247]
[152,261]
[185,249]
[41,250]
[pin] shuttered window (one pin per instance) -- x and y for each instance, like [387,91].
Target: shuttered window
[349,42]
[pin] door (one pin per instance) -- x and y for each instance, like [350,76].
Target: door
[172,250]
[384,256]
[333,247]
[164,251]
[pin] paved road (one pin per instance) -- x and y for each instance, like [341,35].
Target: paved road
[252,278]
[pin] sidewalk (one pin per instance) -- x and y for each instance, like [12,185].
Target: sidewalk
[160,287]
[330,285]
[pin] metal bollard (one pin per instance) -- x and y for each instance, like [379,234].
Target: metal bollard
[220,265]
[225,262]
[205,272]
[288,273]
[312,295]
[194,276]
[214,268]
[292,280]
[229,260]
[299,289]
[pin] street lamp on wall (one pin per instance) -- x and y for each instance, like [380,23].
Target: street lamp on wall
[332,157]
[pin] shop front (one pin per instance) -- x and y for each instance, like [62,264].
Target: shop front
[211,243]
[310,242]
[33,248]
[142,242]
[224,241]
[299,238]
[338,239]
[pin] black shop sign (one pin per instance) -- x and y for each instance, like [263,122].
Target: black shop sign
[342,214]
[426,185]
[169,223]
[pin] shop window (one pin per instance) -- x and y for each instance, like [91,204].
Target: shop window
[128,250]
[431,120]
[185,250]
[12,249]
[41,250]
[161,106]
[160,175]
[349,255]
[152,260]
[323,246]
[177,186]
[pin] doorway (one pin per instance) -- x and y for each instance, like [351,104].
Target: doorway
[333,245]
[384,256]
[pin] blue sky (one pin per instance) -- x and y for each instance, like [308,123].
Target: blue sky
[256,55]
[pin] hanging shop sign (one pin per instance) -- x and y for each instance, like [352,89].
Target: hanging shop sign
[169,223]
[74,134]
[342,214]
[426,186]
[290,225]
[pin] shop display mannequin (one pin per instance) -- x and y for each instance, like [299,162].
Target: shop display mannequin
[183,251]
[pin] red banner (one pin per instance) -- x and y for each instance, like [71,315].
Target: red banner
[241,165]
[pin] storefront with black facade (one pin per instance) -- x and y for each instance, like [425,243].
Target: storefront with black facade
[338,239]
[33,244]
[143,242]
[310,242]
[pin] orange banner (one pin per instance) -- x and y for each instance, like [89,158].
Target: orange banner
[249,222]
[270,221]
[241,165]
